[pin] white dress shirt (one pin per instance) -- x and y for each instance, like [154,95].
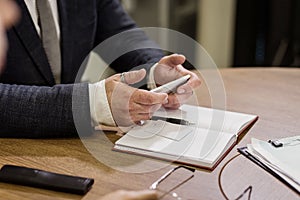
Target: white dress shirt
[31,6]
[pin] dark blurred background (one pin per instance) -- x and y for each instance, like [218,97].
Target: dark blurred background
[234,32]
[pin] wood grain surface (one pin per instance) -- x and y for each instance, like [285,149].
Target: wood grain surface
[271,93]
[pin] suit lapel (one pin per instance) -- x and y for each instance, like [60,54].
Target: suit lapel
[28,35]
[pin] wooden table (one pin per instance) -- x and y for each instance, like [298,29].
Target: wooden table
[271,93]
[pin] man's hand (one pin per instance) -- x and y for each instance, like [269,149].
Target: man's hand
[131,195]
[170,68]
[131,105]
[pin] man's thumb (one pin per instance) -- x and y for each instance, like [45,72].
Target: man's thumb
[134,76]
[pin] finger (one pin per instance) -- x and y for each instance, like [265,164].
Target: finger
[138,112]
[149,98]
[176,100]
[172,107]
[144,109]
[134,76]
[141,112]
[137,118]
[143,195]
[173,103]
[173,60]
[188,87]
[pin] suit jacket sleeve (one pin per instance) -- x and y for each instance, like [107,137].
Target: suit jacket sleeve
[41,111]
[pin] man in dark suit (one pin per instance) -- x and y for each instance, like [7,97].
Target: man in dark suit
[8,15]
[36,104]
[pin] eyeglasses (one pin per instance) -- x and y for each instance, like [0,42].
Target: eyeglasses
[171,180]
[247,190]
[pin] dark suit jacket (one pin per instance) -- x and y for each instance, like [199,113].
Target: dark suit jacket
[30,102]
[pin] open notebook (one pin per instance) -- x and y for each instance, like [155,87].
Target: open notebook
[203,144]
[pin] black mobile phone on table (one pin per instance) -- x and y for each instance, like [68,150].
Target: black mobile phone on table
[44,179]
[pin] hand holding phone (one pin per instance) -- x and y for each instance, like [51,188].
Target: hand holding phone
[171,86]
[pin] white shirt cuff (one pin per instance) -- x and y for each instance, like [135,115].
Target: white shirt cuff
[99,107]
[151,81]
